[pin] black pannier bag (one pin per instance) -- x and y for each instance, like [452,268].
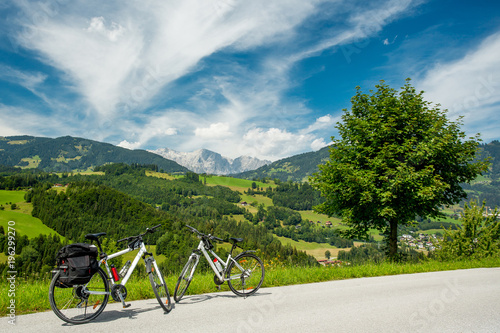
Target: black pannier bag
[77,263]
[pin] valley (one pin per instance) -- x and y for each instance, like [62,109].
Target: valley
[273,199]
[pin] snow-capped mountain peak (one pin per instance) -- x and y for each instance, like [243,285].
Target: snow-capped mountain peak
[207,161]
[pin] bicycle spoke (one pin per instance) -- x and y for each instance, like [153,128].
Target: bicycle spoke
[246,274]
[75,305]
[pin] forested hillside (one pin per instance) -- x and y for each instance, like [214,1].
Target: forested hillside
[296,168]
[94,204]
[123,201]
[69,153]
[488,188]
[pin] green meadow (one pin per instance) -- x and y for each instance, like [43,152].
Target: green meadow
[235,183]
[24,223]
[9,197]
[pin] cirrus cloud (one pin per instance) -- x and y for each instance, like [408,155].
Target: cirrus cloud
[213,74]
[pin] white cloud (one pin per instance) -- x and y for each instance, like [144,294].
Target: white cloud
[19,120]
[125,56]
[325,119]
[28,80]
[468,87]
[387,42]
[97,24]
[274,143]
[214,131]
[318,144]
[321,123]
[129,145]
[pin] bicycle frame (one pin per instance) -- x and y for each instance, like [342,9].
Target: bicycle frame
[104,261]
[220,275]
[142,251]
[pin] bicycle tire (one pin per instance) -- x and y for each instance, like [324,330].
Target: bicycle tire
[73,305]
[183,281]
[159,286]
[245,283]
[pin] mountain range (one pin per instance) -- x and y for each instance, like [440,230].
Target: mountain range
[206,161]
[71,154]
[68,153]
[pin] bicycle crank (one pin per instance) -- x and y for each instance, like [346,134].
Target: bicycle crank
[118,289]
[218,281]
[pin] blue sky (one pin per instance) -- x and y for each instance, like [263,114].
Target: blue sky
[261,78]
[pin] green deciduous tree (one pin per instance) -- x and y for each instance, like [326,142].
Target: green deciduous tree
[398,157]
[478,237]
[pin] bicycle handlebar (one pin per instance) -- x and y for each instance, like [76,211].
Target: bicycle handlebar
[148,230]
[211,237]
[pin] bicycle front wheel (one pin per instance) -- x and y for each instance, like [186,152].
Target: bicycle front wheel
[246,274]
[79,304]
[159,286]
[184,279]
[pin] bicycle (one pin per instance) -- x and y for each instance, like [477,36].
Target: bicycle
[82,303]
[244,273]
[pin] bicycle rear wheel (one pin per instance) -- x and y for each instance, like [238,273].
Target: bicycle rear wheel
[80,303]
[159,286]
[246,274]
[184,279]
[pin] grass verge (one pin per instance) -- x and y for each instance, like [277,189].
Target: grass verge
[32,296]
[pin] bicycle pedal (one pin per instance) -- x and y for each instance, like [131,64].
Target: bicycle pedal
[126,305]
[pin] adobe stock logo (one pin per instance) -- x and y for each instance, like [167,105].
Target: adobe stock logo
[264,310]
[421,319]
[484,90]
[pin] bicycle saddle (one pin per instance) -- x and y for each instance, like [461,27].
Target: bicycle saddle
[236,240]
[95,236]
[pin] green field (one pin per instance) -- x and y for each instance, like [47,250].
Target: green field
[260,199]
[240,184]
[33,162]
[315,217]
[8,197]
[25,224]
[317,250]
[236,184]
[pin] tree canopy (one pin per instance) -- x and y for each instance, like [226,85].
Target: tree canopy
[398,157]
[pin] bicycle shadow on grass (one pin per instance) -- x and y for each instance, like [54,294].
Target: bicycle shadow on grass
[192,299]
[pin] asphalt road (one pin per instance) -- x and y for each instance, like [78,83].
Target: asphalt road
[450,301]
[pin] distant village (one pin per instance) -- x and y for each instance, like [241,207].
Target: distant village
[419,242]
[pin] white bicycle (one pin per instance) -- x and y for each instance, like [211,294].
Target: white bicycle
[81,303]
[244,273]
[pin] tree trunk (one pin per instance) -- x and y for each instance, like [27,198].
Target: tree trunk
[393,239]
